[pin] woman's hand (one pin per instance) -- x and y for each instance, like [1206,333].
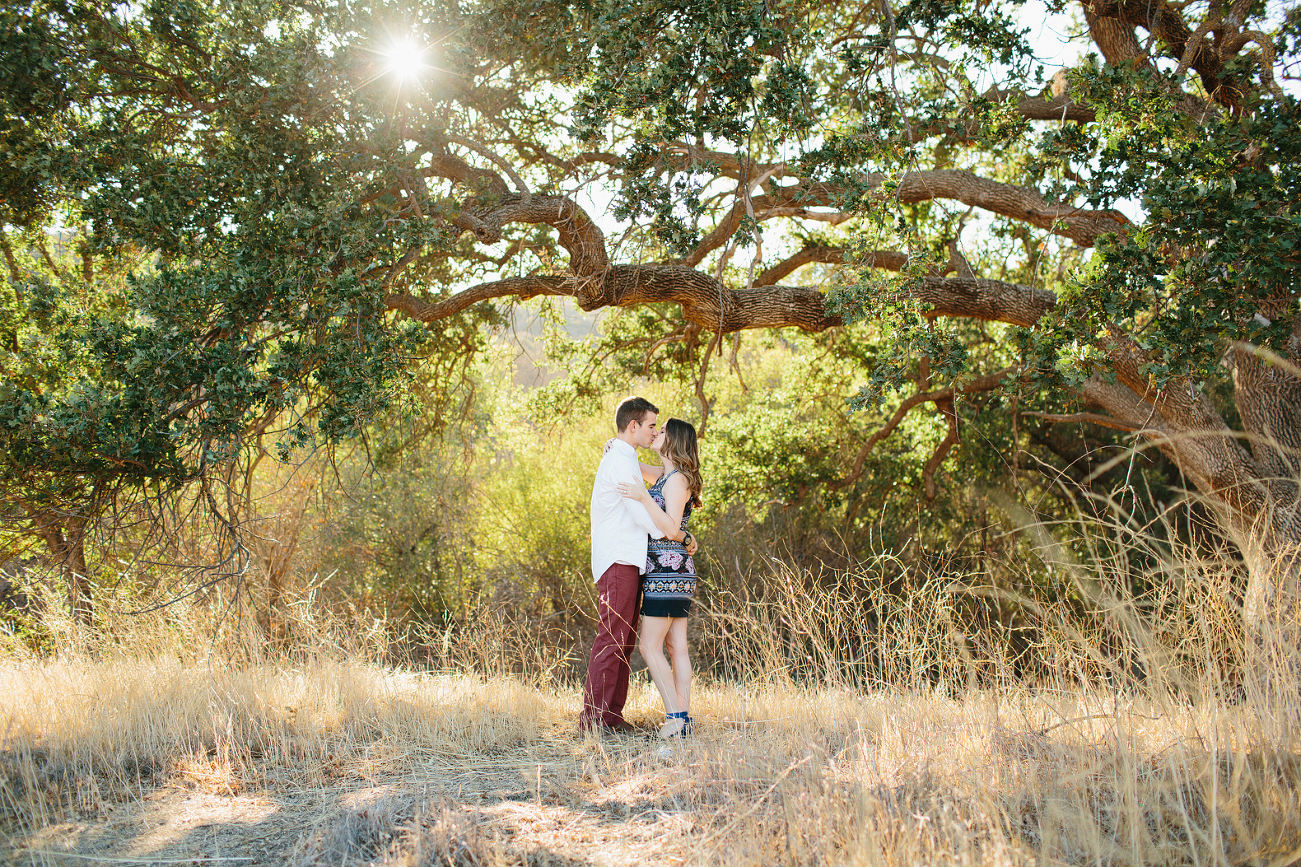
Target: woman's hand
[635,492]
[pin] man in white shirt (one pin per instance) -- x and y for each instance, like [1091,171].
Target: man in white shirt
[620,531]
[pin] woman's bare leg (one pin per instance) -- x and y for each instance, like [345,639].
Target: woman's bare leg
[651,644]
[677,643]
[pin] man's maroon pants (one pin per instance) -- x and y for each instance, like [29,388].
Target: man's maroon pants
[618,605]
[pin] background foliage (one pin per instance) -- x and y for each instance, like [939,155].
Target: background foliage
[225,227]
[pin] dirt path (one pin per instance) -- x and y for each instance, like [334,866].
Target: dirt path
[563,802]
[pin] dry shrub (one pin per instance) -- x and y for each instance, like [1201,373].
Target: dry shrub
[861,727]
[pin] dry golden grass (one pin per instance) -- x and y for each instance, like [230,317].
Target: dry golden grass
[903,738]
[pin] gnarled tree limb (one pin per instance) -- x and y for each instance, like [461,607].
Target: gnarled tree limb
[1084,417]
[939,397]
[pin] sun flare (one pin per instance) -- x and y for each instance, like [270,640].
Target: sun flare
[406,59]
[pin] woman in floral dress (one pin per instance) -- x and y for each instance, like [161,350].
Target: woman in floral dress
[670,579]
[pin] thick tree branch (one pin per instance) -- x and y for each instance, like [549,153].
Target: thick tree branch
[1025,204]
[579,234]
[990,300]
[487,152]
[1081,225]
[1083,417]
[1046,106]
[519,287]
[1015,202]
[810,253]
[479,181]
[705,301]
[1113,37]
[1112,22]
[712,305]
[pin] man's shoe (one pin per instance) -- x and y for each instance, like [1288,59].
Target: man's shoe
[622,727]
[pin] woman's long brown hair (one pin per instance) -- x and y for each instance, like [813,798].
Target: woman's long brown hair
[680,447]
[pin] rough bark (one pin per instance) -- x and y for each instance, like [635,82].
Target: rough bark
[1268,397]
[1245,476]
[1024,204]
[1111,25]
[708,303]
[65,540]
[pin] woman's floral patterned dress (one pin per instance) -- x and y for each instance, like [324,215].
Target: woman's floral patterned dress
[670,580]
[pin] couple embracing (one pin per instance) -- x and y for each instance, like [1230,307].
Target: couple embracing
[642,562]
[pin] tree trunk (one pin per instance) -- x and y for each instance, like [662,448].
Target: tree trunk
[1268,395]
[65,539]
[1249,477]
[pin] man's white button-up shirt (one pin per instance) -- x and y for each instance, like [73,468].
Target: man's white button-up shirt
[620,526]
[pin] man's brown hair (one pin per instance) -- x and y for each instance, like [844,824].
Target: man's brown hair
[632,409]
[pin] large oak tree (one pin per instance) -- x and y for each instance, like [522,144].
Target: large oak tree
[278,211]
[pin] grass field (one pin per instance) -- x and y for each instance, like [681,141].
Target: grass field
[145,754]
